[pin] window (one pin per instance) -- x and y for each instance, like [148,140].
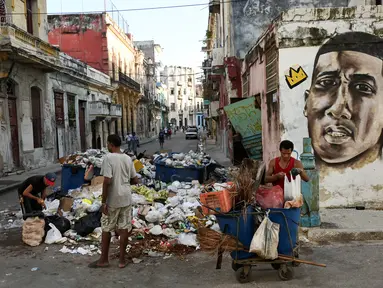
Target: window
[198,106]
[172,91]
[36,118]
[184,91]
[71,100]
[29,15]
[173,106]
[378,2]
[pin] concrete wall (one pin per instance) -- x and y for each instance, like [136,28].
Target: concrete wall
[339,104]
[250,18]
[26,77]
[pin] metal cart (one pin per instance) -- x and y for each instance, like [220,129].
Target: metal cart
[243,261]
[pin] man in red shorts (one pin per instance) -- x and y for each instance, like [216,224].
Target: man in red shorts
[281,166]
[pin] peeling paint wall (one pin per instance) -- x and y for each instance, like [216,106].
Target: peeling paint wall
[334,94]
[250,18]
[26,77]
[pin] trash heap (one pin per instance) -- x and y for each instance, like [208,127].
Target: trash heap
[165,220]
[83,159]
[190,159]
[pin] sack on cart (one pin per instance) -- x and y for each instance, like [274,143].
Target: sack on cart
[265,240]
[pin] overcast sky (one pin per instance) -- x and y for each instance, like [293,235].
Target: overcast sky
[178,30]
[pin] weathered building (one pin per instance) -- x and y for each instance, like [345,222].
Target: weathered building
[180,82]
[98,41]
[26,105]
[155,110]
[318,74]
[84,114]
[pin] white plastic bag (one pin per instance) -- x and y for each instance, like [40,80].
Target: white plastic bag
[288,190]
[297,187]
[265,240]
[53,235]
[189,239]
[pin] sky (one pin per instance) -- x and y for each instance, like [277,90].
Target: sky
[179,31]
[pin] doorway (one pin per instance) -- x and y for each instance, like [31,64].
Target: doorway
[60,130]
[94,135]
[82,106]
[12,108]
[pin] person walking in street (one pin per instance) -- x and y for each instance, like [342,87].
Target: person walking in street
[281,166]
[135,143]
[128,140]
[32,192]
[161,138]
[170,133]
[119,173]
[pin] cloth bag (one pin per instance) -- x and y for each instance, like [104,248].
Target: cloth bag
[265,240]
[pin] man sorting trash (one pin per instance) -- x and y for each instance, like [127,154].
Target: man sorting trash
[32,192]
[284,165]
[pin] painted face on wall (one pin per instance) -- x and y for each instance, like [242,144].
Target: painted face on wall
[344,106]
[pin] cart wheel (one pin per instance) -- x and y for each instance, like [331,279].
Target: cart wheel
[275,266]
[243,274]
[235,266]
[285,273]
[296,255]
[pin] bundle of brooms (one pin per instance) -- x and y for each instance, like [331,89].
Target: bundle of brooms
[212,241]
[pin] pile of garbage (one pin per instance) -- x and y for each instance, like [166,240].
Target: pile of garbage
[191,159]
[83,159]
[165,220]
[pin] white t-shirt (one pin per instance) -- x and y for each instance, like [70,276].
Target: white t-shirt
[119,167]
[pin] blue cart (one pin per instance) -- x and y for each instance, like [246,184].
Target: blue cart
[242,226]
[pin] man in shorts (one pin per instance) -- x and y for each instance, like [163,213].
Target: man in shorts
[119,173]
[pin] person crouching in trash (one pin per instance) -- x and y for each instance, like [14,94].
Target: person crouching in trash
[283,165]
[32,192]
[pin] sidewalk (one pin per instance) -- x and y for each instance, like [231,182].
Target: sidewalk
[13,181]
[142,142]
[345,225]
[216,153]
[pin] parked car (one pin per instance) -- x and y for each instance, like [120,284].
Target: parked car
[191,133]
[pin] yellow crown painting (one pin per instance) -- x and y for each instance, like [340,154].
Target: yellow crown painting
[295,76]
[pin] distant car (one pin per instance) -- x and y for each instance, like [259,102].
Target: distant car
[191,133]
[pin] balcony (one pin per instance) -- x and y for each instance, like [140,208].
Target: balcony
[206,64]
[27,48]
[179,97]
[191,111]
[190,84]
[99,109]
[129,82]
[116,110]
[180,112]
[214,6]
[179,83]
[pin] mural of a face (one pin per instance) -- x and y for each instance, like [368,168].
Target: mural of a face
[344,106]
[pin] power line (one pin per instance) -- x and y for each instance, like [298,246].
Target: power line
[131,9]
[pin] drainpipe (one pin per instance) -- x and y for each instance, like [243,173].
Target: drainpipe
[310,190]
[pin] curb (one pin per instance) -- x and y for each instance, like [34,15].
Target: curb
[16,185]
[341,235]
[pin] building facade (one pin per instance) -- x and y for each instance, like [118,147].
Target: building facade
[156,109]
[326,86]
[180,82]
[98,41]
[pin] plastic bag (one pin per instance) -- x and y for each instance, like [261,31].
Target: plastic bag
[270,197]
[189,239]
[265,240]
[53,235]
[292,188]
[89,173]
[61,223]
[85,225]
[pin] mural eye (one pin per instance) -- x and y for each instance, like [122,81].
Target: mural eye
[364,88]
[327,83]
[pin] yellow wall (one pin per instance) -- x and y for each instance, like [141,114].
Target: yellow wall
[17,8]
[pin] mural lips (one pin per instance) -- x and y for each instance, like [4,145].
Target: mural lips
[337,134]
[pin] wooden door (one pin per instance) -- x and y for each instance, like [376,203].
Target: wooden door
[59,112]
[82,125]
[14,131]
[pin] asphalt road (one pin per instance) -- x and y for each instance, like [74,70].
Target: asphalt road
[348,266]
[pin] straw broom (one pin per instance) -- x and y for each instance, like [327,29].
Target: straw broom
[212,241]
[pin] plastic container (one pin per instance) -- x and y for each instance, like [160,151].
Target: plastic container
[293,217]
[229,225]
[72,177]
[221,201]
[169,174]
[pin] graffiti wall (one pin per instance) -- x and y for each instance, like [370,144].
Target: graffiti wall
[333,93]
